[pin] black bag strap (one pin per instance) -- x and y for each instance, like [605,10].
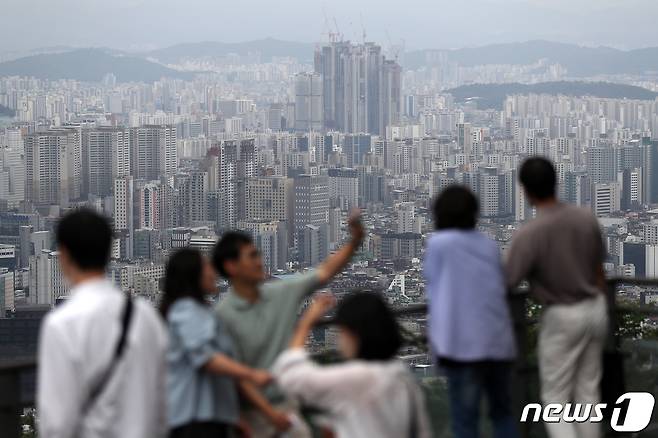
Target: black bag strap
[126,318]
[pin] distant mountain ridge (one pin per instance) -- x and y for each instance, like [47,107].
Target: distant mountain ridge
[89,65]
[579,61]
[92,64]
[493,95]
[268,49]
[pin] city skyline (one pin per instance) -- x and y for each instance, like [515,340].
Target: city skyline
[284,141]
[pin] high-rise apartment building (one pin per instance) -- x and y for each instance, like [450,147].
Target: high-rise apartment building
[47,282]
[361,89]
[147,206]
[12,176]
[270,198]
[606,198]
[53,163]
[237,163]
[344,188]
[355,148]
[153,151]
[193,195]
[602,164]
[124,214]
[308,102]
[105,157]
[311,201]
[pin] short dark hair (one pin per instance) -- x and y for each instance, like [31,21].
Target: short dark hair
[455,207]
[87,238]
[369,318]
[228,248]
[182,278]
[537,174]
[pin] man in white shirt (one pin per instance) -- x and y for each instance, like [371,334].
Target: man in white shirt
[85,388]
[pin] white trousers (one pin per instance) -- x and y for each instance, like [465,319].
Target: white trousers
[571,341]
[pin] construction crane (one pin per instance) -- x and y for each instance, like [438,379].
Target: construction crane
[393,48]
[363,29]
[338,35]
[332,36]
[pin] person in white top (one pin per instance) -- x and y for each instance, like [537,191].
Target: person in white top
[101,365]
[371,394]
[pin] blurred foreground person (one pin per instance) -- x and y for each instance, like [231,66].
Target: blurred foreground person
[370,395]
[101,353]
[561,254]
[202,395]
[470,326]
[260,317]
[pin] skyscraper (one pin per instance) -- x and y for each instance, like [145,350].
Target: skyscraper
[311,201]
[53,166]
[105,157]
[270,198]
[344,188]
[12,176]
[237,162]
[147,206]
[601,164]
[124,214]
[606,198]
[361,89]
[154,152]
[355,147]
[308,102]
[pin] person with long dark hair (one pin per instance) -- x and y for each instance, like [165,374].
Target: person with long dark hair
[202,395]
[371,394]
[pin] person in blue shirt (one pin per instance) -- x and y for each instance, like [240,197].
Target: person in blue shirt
[470,328]
[202,398]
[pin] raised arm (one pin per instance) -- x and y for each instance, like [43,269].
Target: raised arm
[338,260]
[320,386]
[320,306]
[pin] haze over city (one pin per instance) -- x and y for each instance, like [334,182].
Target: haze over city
[422,24]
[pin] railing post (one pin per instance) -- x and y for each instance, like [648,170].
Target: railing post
[10,402]
[521,382]
[613,378]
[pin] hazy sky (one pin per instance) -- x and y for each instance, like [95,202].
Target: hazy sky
[136,24]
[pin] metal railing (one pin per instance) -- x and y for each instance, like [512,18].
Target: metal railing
[17,379]
[17,391]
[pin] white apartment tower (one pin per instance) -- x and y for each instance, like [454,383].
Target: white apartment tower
[105,157]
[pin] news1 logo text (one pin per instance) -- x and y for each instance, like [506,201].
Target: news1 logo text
[631,412]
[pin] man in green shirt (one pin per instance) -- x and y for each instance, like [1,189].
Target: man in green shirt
[261,316]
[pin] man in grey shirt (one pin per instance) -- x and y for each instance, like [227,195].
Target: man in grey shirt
[561,254]
[261,316]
